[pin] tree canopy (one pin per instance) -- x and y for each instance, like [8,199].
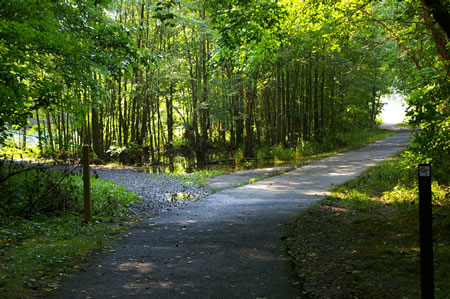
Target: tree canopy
[208,76]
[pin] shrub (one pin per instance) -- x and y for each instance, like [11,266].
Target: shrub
[42,191]
[34,191]
[238,156]
[128,155]
[304,148]
[282,153]
[264,153]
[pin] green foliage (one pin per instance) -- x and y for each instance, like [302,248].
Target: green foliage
[35,191]
[35,252]
[199,178]
[264,153]
[41,191]
[130,154]
[11,150]
[304,148]
[60,47]
[110,200]
[282,153]
[355,117]
[393,182]
[432,143]
[238,156]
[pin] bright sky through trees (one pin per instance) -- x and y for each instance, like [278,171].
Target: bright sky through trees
[393,110]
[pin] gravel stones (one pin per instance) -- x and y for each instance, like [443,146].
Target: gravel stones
[157,190]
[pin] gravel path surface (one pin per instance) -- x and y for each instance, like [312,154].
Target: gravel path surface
[157,190]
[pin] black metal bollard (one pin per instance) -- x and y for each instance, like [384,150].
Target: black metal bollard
[426,232]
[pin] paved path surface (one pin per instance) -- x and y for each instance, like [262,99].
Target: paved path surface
[238,178]
[225,246]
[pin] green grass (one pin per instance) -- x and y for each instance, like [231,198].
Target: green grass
[371,224]
[390,192]
[329,144]
[42,237]
[198,178]
[35,253]
[404,124]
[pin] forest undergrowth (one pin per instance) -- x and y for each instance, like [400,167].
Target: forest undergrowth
[42,234]
[363,240]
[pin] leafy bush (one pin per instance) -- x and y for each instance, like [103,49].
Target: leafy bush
[304,148]
[238,156]
[109,199]
[282,153]
[355,116]
[11,150]
[432,144]
[128,155]
[42,191]
[36,191]
[264,153]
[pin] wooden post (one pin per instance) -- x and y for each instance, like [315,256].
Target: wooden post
[87,184]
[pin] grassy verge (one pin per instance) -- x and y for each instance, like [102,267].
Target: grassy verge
[198,178]
[363,240]
[36,253]
[42,237]
[327,145]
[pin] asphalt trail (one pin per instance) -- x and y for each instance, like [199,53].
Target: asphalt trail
[227,245]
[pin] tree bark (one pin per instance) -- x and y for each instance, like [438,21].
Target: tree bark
[250,94]
[97,136]
[440,14]
[169,108]
[278,109]
[49,130]
[39,131]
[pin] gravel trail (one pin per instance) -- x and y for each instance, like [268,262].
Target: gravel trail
[159,191]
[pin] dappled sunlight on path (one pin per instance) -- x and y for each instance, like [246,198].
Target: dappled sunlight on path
[227,245]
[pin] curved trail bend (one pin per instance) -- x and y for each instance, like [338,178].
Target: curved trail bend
[224,246]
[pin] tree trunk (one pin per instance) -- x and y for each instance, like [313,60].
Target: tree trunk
[250,97]
[169,108]
[119,107]
[322,101]
[316,101]
[239,120]
[49,131]
[24,137]
[97,136]
[125,117]
[201,159]
[278,108]
[39,131]
[440,14]
[283,107]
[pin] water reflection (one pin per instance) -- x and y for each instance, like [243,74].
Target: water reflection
[180,164]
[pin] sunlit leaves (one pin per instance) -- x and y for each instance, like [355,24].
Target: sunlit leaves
[47,46]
